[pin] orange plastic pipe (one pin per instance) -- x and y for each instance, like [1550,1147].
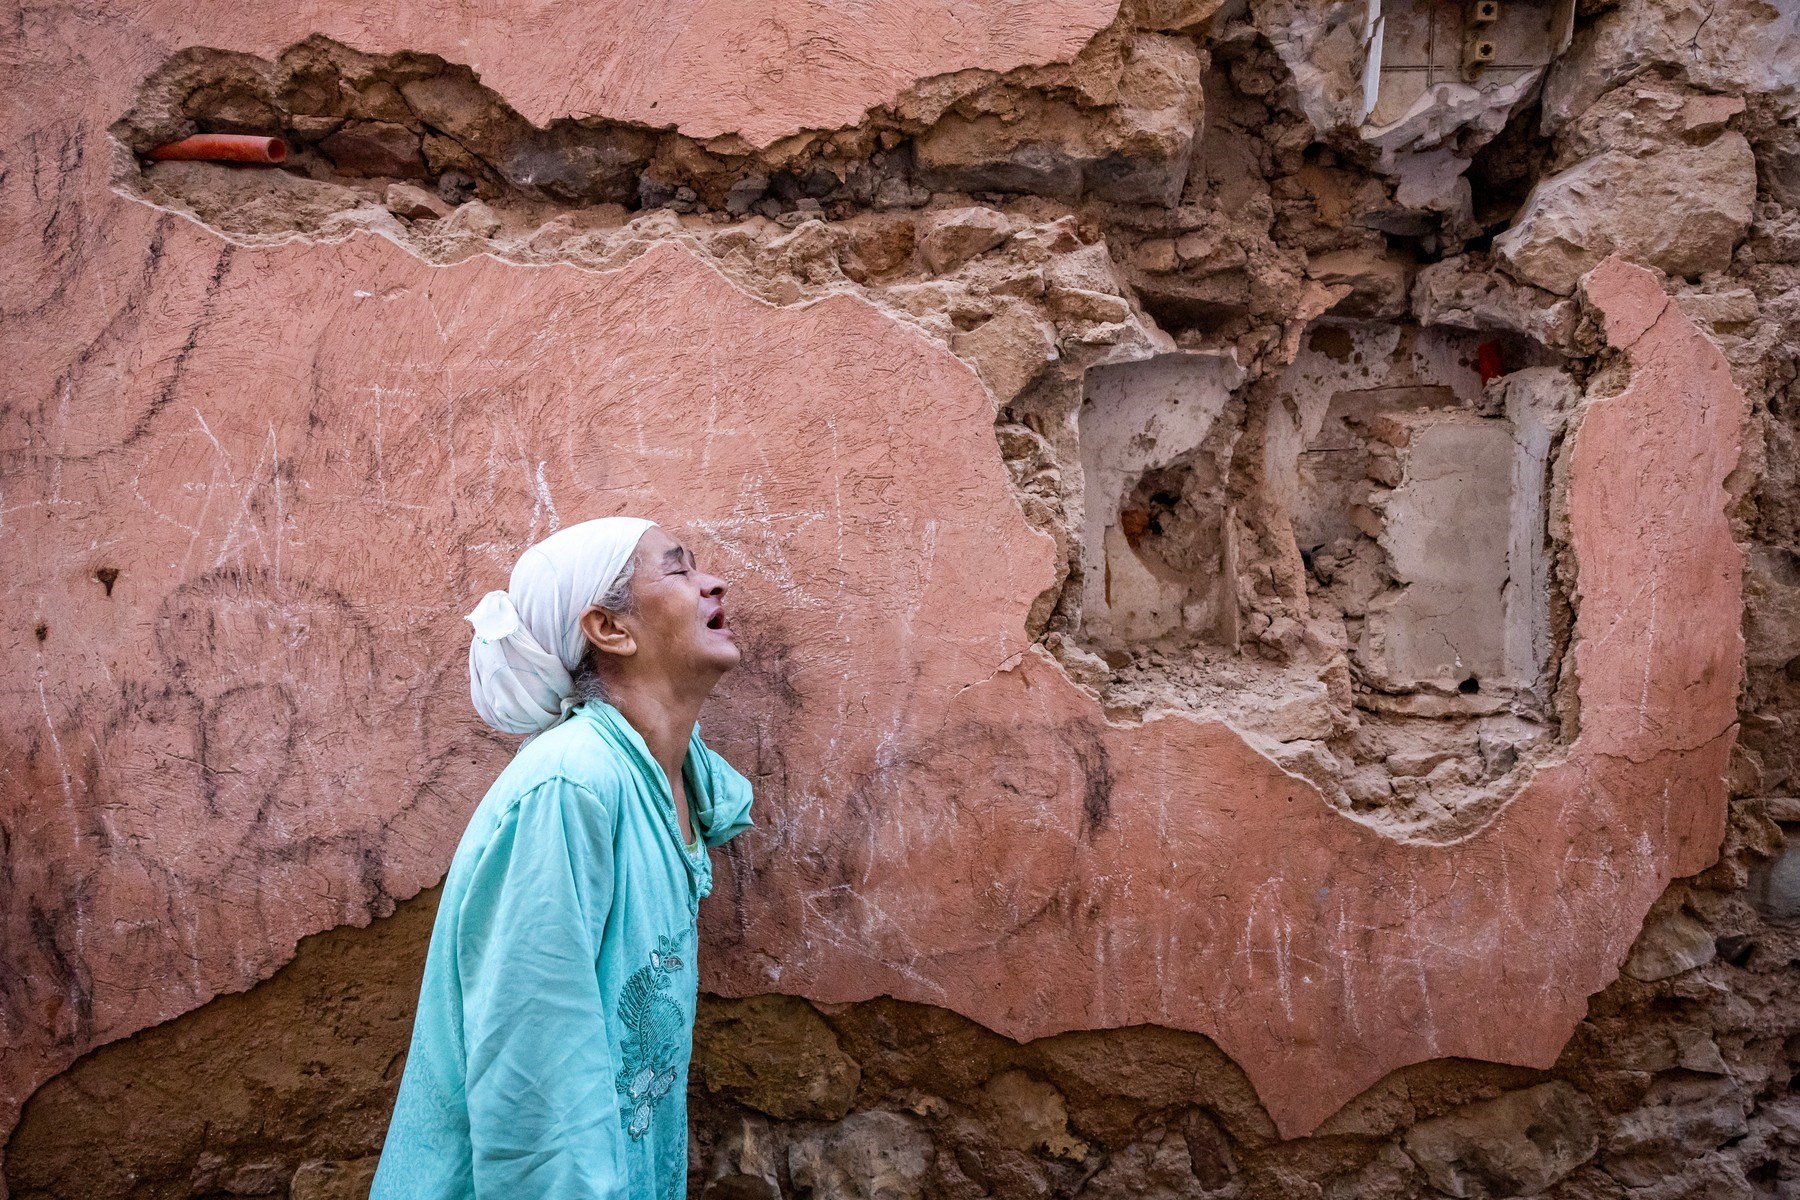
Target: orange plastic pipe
[225,147]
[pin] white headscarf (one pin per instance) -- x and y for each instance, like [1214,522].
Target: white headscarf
[528,639]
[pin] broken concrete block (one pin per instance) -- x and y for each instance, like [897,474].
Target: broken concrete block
[414,203]
[1516,1145]
[1682,209]
[1323,45]
[269,203]
[870,1156]
[1447,531]
[1402,73]
[952,238]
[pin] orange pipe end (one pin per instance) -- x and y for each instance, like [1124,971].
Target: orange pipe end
[224,147]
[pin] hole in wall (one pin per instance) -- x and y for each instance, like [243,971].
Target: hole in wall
[1348,562]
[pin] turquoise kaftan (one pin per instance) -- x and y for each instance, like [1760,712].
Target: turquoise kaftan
[550,1053]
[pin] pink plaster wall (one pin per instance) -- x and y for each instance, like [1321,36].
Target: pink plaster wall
[304,462]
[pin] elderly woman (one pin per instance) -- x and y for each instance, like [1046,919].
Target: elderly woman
[550,1053]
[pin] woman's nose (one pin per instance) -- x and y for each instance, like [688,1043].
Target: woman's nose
[714,586]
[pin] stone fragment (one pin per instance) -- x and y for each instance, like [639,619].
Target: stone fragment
[375,148]
[1776,884]
[313,129]
[1668,946]
[1682,209]
[874,1155]
[1029,1115]
[879,247]
[1176,16]
[1642,117]
[474,218]
[1210,250]
[1680,1119]
[954,237]
[1090,268]
[1080,304]
[1515,1145]
[1379,281]
[324,1179]
[746,1165]
[745,192]
[414,203]
[1133,152]
[216,1173]
[1464,293]
[1156,1168]
[1156,255]
[775,1054]
[1653,1048]
[1008,350]
[1772,593]
[579,164]
[1736,48]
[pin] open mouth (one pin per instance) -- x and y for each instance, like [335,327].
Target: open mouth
[717,620]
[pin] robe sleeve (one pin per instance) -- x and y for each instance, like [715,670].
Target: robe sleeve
[540,1075]
[724,801]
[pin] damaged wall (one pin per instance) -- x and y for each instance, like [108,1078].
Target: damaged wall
[1221,563]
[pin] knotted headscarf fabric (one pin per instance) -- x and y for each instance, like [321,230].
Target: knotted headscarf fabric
[528,640]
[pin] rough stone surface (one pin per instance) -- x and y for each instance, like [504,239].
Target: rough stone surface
[799,1073]
[1681,209]
[1517,1145]
[871,1156]
[1134,151]
[960,235]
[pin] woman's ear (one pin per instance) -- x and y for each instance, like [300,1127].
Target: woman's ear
[606,633]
